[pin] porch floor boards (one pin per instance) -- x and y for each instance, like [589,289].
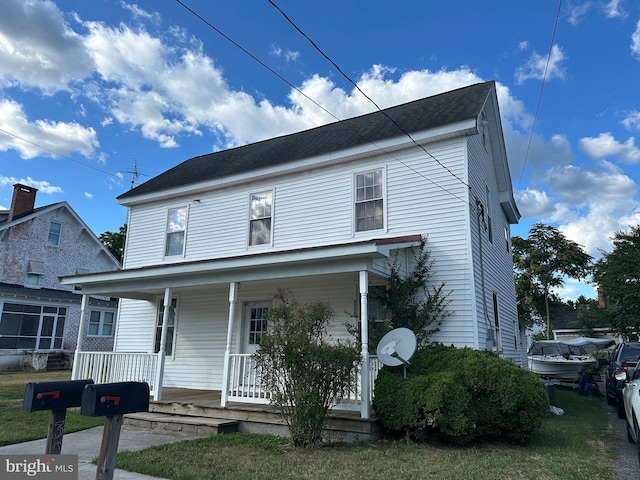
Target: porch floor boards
[185,406]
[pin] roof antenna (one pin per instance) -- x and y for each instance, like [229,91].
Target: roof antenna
[135,174]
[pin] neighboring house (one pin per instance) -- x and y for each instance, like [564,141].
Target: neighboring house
[567,325]
[320,212]
[38,315]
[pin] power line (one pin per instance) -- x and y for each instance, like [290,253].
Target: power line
[544,77]
[137,174]
[267,67]
[364,94]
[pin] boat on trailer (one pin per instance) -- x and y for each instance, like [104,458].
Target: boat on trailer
[565,360]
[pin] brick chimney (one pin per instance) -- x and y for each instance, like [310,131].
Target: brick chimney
[23,201]
[601,300]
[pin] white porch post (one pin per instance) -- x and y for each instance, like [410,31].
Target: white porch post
[84,307]
[233,294]
[365,389]
[163,341]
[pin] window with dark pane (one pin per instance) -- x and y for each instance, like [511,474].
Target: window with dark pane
[369,207]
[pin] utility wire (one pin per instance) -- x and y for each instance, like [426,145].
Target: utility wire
[364,94]
[271,70]
[544,77]
[59,154]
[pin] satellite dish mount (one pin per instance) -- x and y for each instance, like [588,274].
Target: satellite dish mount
[396,348]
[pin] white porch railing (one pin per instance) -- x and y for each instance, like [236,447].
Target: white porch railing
[109,367]
[244,380]
[245,385]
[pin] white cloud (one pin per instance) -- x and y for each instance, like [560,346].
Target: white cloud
[577,12]
[288,55]
[88,195]
[613,9]
[635,42]
[42,185]
[38,49]
[139,13]
[542,66]
[534,203]
[632,121]
[606,145]
[59,137]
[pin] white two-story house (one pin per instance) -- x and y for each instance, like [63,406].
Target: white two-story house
[320,212]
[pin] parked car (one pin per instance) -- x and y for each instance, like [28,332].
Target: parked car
[623,359]
[631,401]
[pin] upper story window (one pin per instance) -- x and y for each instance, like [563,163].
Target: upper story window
[55,228]
[260,218]
[369,204]
[176,228]
[101,323]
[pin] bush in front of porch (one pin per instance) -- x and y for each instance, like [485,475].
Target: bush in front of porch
[461,396]
[304,367]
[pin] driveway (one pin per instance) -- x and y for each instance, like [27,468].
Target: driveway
[628,460]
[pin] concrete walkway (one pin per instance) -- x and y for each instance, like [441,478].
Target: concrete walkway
[86,444]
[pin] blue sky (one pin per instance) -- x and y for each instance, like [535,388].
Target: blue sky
[103,83]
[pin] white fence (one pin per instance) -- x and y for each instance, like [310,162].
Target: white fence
[109,367]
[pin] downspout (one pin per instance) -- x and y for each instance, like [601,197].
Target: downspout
[490,341]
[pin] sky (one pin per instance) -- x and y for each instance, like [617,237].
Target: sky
[91,92]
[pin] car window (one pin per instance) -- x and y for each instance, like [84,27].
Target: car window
[630,352]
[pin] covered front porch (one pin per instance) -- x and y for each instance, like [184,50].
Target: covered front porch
[186,346]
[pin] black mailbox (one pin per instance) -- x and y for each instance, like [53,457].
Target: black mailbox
[54,395]
[108,399]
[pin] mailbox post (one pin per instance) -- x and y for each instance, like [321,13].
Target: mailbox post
[56,397]
[113,400]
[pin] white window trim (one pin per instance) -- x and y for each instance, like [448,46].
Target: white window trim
[100,333]
[354,229]
[49,233]
[248,218]
[166,233]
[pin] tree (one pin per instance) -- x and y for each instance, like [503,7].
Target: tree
[411,302]
[114,241]
[542,262]
[303,367]
[618,273]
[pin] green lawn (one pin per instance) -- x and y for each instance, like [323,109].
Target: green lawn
[574,446]
[17,425]
[577,445]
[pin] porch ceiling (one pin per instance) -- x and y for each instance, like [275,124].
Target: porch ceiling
[147,282]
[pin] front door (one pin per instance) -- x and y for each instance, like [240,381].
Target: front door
[255,324]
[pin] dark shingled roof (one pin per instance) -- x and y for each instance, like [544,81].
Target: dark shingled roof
[50,294]
[431,112]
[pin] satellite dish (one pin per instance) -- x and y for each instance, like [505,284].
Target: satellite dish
[397,347]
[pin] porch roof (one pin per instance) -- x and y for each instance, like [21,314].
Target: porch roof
[147,282]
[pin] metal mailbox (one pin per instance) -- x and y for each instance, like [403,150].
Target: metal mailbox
[54,395]
[108,399]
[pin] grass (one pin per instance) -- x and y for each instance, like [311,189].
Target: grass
[17,425]
[576,445]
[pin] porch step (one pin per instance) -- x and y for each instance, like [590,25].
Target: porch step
[181,423]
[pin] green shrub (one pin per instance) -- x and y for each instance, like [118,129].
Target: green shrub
[460,396]
[305,369]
